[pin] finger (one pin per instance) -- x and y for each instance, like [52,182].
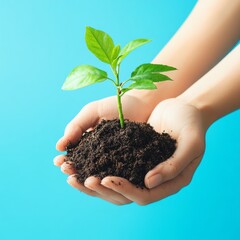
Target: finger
[68,168]
[72,180]
[190,146]
[125,188]
[59,160]
[74,183]
[146,196]
[175,185]
[94,184]
[85,119]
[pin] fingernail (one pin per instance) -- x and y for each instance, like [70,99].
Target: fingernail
[154,181]
[71,177]
[105,183]
[55,161]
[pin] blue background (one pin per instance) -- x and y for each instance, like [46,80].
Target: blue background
[40,42]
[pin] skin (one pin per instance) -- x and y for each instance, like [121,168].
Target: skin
[195,109]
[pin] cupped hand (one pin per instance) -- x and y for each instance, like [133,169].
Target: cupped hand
[134,108]
[183,122]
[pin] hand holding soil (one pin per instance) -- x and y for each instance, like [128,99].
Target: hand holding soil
[181,120]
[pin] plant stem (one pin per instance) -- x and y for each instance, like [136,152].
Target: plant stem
[119,103]
[126,81]
[121,118]
[112,81]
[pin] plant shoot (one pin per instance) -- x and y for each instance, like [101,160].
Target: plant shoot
[102,46]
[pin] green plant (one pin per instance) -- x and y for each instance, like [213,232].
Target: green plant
[102,46]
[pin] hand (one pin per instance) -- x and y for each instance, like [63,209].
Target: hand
[184,123]
[134,108]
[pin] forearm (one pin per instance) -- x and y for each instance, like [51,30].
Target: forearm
[218,92]
[206,36]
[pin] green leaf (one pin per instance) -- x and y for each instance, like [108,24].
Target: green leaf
[124,90]
[115,52]
[100,44]
[144,84]
[115,56]
[83,76]
[115,62]
[154,77]
[151,68]
[131,46]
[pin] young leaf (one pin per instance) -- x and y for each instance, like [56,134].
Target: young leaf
[83,76]
[144,84]
[151,68]
[130,47]
[115,52]
[154,77]
[100,44]
[124,90]
[115,62]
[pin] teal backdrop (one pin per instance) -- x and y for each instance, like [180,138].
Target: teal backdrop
[40,42]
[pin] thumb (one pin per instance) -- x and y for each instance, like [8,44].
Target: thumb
[87,118]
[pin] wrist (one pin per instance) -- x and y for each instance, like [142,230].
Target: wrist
[200,102]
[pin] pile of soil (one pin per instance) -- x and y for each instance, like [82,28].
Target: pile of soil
[128,152]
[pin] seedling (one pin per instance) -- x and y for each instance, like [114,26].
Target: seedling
[102,46]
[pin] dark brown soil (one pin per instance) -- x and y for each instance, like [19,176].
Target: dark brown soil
[128,152]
